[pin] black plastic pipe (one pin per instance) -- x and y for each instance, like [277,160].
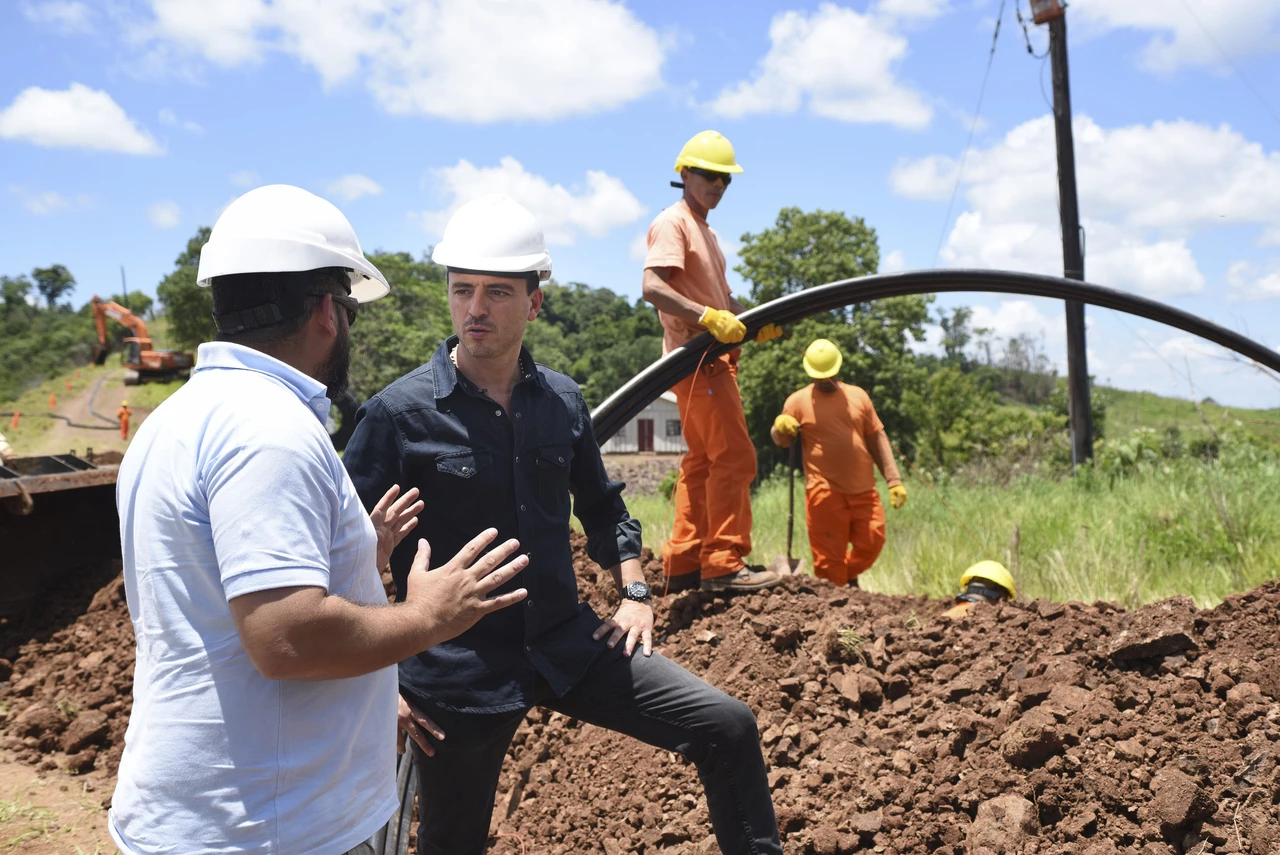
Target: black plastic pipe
[623,405]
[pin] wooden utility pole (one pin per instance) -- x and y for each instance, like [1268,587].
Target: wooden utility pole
[1052,12]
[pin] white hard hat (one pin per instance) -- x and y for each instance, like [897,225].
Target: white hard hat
[284,229]
[497,234]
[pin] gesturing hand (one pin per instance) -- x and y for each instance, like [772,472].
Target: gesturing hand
[453,597]
[392,520]
[635,621]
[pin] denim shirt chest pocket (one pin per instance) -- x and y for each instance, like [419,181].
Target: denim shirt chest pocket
[465,475]
[552,462]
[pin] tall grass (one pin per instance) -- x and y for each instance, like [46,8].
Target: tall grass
[1183,527]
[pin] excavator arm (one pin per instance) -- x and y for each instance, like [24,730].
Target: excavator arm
[103,309]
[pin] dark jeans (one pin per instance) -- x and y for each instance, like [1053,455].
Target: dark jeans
[653,700]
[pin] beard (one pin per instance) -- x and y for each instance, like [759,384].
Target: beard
[335,372]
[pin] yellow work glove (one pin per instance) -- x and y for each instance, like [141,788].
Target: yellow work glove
[723,324]
[898,496]
[768,332]
[786,425]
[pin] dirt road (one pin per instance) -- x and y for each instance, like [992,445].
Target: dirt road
[89,431]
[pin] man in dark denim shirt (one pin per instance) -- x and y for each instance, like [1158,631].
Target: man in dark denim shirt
[492,439]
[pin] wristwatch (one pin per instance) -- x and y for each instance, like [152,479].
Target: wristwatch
[637,591]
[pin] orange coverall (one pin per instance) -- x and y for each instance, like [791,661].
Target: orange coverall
[712,530]
[123,415]
[842,436]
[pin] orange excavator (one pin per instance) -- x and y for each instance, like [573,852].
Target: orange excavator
[140,361]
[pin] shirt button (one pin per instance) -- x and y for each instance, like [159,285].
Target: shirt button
[522,507]
[497,412]
[561,459]
[517,460]
[530,603]
[517,415]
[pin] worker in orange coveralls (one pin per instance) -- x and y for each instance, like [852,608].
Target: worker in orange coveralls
[841,436]
[684,279]
[122,415]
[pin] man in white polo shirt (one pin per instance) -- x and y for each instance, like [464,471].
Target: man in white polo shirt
[264,716]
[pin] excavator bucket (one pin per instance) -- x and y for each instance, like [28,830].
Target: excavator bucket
[57,516]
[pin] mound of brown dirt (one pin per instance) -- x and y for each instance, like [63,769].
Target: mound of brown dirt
[1027,727]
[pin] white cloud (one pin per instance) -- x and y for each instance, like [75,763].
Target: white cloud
[245,178]
[893,262]
[348,188]
[838,61]
[1013,318]
[602,205]
[464,60]
[77,117]
[47,202]
[62,15]
[1247,282]
[639,246]
[169,118]
[1144,191]
[1239,27]
[912,10]
[164,214]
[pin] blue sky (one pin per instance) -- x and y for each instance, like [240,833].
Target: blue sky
[125,124]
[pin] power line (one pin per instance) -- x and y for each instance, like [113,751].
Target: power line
[1227,59]
[982,92]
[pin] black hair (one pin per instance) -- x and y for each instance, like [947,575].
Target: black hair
[531,281]
[263,309]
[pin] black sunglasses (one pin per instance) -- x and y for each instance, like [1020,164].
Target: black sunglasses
[351,304]
[711,175]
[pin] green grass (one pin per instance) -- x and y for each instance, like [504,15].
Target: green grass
[1186,528]
[1129,410]
[148,396]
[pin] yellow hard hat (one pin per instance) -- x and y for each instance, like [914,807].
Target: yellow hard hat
[822,360]
[124,403]
[990,571]
[708,150]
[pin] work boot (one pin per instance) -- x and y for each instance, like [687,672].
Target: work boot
[853,583]
[684,582]
[751,577]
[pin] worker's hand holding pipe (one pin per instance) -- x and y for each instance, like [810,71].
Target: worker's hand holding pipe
[768,332]
[393,519]
[453,597]
[724,325]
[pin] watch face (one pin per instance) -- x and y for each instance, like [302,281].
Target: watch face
[637,591]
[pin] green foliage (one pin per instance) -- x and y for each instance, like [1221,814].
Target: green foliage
[1099,397]
[37,341]
[399,332]
[188,306]
[52,282]
[805,249]
[598,338]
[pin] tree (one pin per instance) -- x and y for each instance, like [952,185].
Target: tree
[806,249]
[52,282]
[399,332]
[188,307]
[15,291]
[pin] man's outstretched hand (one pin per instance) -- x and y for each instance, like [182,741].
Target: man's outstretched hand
[453,597]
